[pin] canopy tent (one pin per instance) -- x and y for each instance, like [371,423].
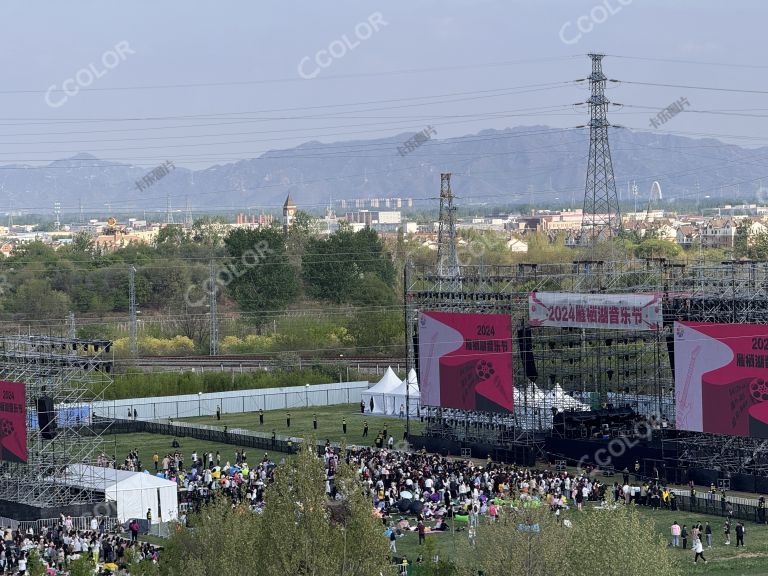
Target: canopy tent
[397,398]
[134,492]
[378,391]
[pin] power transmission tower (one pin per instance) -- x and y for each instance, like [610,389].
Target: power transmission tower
[82,216]
[71,325]
[168,212]
[132,311]
[602,217]
[57,213]
[212,291]
[188,215]
[448,272]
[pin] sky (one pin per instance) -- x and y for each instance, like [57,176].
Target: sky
[205,83]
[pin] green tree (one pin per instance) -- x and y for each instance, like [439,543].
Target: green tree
[35,299]
[259,276]
[655,248]
[299,532]
[529,542]
[336,268]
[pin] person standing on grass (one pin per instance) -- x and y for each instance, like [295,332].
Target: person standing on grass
[675,534]
[261,417]
[684,536]
[288,419]
[362,407]
[698,550]
[314,421]
[740,534]
[420,528]
[156,459]
[365,429]
[392,543]
[708,534]
[218,412]
[344,425]
[727,530]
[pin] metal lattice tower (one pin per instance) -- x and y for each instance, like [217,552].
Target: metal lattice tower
[602,217]
[168,211]
[448,271]
[212,293]
[188,215]
[132,311]
[73,373]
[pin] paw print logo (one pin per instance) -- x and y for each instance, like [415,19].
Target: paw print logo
[485,369]
[759,389]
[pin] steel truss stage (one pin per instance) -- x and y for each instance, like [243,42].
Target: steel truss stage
[71,373]
[593,366]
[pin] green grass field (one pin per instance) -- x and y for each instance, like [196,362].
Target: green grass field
[147,444]
[329,423]
[752,560]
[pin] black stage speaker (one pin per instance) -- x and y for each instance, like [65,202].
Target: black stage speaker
[46,417]
[671,351]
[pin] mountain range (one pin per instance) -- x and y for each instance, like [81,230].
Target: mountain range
[526,164]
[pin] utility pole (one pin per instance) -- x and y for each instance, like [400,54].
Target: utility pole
[212,292]
[602,217]
[132,311]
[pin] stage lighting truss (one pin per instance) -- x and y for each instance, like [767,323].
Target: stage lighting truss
[598,366]
[74,373]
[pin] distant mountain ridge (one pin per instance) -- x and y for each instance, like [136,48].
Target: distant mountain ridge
[497,167]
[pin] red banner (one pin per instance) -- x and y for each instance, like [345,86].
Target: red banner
[465,361]
[13,422]
[721,378]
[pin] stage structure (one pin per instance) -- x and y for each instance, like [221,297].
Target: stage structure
[61,377]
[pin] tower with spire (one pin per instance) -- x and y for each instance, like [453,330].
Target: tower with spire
[289,211]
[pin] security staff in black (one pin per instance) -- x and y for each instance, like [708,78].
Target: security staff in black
[344,425]
[314,421]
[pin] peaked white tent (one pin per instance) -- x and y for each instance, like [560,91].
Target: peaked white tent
[397,398]
[378,392]
[134,492]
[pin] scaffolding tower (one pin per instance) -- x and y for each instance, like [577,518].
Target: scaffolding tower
[73,373]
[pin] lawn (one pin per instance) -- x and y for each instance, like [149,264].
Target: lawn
[329,423]
[147,444]
[752,560]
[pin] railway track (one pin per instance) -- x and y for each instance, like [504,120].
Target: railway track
[257,362]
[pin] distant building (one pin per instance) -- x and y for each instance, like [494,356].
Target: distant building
[289,212]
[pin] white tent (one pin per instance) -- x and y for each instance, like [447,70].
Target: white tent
[378,391]
[134,492]
[397,398]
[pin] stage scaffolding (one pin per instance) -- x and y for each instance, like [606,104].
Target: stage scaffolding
[73,373]
[596,367]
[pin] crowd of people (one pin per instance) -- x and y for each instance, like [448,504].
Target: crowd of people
[59,544]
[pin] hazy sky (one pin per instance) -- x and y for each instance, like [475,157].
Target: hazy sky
[201,83]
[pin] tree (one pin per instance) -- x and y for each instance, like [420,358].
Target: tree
[337,267]
[299,532]
[35,299]
[258,276]
[654,248]
[529,542]
[171,235]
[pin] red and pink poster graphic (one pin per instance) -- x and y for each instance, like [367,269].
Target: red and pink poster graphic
[465,361]
[13,422]
[721,378]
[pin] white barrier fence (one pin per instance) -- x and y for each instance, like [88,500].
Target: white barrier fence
[190,405]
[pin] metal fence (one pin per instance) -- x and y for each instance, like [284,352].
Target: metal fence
[228,403]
